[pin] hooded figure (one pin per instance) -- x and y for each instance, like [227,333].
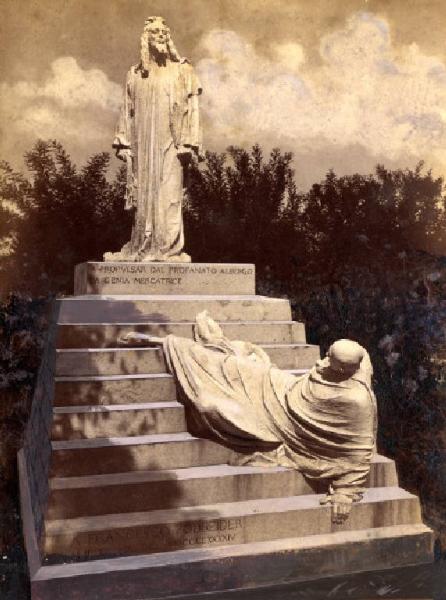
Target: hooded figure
[322,423]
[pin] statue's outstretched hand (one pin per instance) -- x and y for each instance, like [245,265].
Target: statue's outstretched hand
[134,339]
[341,505]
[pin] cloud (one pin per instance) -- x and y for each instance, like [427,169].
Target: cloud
[290,55]
[71,86]
[365,100]
[77,106]
[367,96]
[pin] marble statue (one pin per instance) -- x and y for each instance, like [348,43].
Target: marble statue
[322,423]
[157,135]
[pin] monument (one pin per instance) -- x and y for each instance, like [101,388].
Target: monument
[158,133]
[207,464]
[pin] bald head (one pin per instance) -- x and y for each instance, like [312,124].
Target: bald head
[345,356]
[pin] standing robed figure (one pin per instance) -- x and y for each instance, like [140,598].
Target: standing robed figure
[158,133]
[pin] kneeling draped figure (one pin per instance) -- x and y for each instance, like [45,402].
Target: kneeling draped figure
[322,423]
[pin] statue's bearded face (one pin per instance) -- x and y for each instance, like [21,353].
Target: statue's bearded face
[157,37]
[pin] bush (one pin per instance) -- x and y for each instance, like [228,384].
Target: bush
[66,217]
[23,323]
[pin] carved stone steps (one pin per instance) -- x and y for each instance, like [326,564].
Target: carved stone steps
[119,389]
[137,308]
[129,361]
[114,389]
[104,335]
[150,490]
[241,566]
[87,422]
[222,524]
[139,453]
[127,479]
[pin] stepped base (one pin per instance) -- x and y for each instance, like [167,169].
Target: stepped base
[205,570]
[126,479]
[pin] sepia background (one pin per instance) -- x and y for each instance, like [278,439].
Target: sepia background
[325,126]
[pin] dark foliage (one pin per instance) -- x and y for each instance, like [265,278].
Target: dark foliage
[23,322]
[68,217]
[240,209]
[243,208]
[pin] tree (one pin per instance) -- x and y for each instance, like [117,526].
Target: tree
[237,207]
[14,189]
[69,216]
[417,203]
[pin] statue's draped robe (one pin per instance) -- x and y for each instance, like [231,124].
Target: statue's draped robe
[159,116]
[235,396]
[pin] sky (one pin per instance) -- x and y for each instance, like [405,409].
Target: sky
[342,84]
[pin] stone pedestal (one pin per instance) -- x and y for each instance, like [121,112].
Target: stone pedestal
[137,506]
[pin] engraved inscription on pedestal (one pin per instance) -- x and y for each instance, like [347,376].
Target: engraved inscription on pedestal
[160,538]
[164,278]
[218,531]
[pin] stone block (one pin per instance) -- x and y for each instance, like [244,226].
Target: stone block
[77,422]
[163,278]
[118,389]
[162,309]
[126,361]
[139,491]
[114,389]
[138,453]
[104,335]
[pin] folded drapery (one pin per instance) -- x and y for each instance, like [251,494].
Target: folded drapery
[321,426]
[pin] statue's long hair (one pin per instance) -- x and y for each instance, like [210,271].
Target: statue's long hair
[145,53]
